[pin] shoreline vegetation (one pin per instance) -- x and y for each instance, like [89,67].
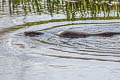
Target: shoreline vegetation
[72,9]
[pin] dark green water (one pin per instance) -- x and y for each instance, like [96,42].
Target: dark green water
[49,57]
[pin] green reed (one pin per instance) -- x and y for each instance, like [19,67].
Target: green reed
[71,8]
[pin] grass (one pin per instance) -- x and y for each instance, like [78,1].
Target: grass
[71,8]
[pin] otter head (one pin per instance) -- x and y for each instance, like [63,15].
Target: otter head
[32,33]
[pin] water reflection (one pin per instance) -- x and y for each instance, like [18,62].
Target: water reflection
[72,9]
[50,57]
[91,48]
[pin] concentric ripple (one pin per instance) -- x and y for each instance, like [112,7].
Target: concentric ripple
[90,48]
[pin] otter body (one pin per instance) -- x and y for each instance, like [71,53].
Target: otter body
[32,33]
[72,34]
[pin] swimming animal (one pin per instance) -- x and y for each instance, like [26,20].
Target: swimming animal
[73,34]
[32,33]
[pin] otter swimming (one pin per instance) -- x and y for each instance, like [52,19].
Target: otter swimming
[73,34]
[32,33]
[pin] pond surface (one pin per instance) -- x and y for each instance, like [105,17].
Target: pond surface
[49,57]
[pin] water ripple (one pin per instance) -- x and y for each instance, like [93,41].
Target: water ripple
[91,48]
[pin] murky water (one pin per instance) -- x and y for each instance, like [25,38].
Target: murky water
[49,57]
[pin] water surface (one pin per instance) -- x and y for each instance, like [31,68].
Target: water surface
[49,57]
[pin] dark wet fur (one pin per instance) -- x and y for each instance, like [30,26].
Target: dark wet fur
[106,34]
[33,33]
[74,35]
[71,34]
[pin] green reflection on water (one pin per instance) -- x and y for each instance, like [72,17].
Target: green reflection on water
[71,8]
[55,20]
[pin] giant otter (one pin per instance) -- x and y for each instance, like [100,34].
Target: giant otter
[32,33]
[73,34]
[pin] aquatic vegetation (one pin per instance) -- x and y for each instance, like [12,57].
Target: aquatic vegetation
[71,8]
